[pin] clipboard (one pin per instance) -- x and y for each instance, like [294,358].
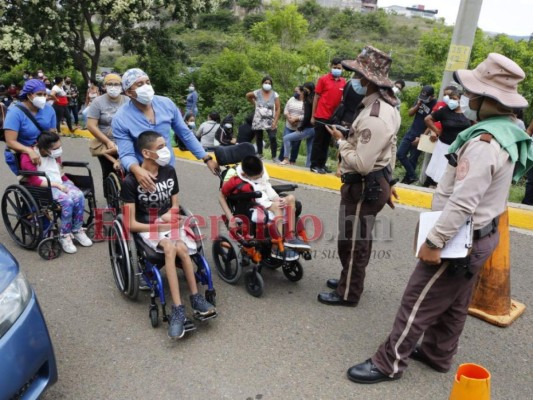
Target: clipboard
[457,247]
[425,144]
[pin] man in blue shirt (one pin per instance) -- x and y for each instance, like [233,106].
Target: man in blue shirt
[407,152]
[147,112]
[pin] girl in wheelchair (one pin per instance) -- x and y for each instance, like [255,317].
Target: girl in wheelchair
[64,192]
[155,217]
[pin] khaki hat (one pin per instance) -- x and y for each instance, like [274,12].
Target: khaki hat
[496,77]
[373,64]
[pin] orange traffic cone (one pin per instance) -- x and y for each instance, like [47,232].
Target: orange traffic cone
[472,382]
[492,301]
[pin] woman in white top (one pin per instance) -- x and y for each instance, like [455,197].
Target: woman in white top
[206,132]
[294,114]
[60,104]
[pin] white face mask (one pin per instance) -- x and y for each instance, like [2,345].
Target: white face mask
[453,104]
[113,91]
[56,153]
[164,156]
[465,107]
[446,99]
[39,102]
[145,94]
[267,87]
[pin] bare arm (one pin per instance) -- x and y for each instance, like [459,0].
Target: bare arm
[430,123]
[529,129]
[135,226]
[250,96]
[315,102]
[413,110]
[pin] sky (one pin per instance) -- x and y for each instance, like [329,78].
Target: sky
[513,17]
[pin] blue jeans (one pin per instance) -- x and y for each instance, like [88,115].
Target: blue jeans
[298,136]
[294,149]
[408,155]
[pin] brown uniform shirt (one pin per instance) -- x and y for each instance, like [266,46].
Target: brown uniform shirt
[478,187]
[371,143]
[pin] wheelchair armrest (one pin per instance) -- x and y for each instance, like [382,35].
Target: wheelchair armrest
[284,188]
[244,196]
[25,173]
[80,164]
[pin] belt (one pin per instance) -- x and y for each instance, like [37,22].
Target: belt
[488,229]
[355,177]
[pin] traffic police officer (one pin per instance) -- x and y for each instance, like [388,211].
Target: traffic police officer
[366,156]
[482,161]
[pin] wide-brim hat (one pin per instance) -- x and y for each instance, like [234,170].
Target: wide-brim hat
[373,64]
[496,77]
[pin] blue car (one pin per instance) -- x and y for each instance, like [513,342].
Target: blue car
[27,361]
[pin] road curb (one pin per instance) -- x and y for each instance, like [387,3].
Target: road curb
[520,216]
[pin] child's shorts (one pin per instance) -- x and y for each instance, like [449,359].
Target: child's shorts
[185,235]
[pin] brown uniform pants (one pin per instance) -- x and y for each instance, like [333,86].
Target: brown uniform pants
[435,303]
[356,222]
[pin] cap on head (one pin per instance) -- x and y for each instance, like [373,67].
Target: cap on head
[131,76]
[496,77]
[426,92]
[112,77]
[32,86]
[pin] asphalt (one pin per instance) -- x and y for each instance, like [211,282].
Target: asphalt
[284,345]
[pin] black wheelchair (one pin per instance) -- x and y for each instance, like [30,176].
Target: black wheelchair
[252,249]
[131,258]
[32,216]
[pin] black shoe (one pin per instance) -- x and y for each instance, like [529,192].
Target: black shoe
[329,171]
[332,283]
[333,299]
[367,372]
[318,170]
[418,355]
[408,181]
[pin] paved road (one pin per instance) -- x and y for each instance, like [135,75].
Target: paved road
[284,345]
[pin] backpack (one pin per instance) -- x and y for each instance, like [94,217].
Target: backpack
[224,134]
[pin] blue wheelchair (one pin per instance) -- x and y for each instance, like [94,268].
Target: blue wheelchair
[132,259]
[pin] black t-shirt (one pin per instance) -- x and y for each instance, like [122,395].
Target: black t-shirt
[452,124]
[419,126]
[166,187]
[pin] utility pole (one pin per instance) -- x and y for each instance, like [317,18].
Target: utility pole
[464,32]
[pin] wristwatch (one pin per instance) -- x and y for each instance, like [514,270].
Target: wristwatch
[431,245]
[207,159]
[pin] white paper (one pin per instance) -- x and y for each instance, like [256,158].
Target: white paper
[456,247]
[425,144]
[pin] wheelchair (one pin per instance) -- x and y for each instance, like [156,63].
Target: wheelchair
[251,249]
[131,258]
[32,216]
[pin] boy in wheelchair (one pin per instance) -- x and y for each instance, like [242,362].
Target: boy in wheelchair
[155,216]
[250,176]
[68,195]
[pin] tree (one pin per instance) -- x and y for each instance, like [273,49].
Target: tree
[80,27]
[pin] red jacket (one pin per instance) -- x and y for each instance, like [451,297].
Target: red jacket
[232,186]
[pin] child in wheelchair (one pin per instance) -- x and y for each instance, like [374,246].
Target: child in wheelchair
[154,216]
[250,176]
[64,192]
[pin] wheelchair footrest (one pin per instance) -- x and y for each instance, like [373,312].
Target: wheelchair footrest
[203,318]
[189,325]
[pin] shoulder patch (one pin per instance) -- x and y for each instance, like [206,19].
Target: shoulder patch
[374,112]
[366,135]
[462,169]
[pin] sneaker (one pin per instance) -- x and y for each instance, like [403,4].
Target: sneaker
[318,170]
[296,243]
[201,306]
[82,238]
[290,255]
[143,285]
[407,180]
[67,245]
[176,322]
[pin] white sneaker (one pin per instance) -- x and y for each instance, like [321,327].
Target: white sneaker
[67,245]
[82,238]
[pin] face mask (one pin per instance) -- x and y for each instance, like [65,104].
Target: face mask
[191,89]
[113,91]
[39,102]
[90,85]
[359,89]
[164,156]
[67,82]
[465,106]
[25,76]
[336,72]
[396,90]
[145,94]
[56,153]
[446,99]
[453,104]
[191,125]
[296,95]
[40,74]
[267,87]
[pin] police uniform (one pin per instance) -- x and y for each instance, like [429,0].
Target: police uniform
[484,159]
[365,160]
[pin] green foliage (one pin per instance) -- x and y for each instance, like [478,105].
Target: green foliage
[252,19]
[432,54]
[124,63]
[249,4]
[315,14]
[220,20]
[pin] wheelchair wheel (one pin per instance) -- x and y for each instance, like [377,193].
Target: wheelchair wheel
[293,271]
[226,259]
[124,261]
[21,217]
[211,296]
[49,248]
[254,283]
[154,316]
[90,231]
[113,186]
[195,229]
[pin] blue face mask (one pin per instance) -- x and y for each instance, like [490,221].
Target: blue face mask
[453,104]
[296,95]
[356,83]
[336,72]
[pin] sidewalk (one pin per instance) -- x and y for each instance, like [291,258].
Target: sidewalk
[520,216]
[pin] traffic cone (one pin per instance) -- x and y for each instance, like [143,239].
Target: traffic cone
[472,382]
[492,301]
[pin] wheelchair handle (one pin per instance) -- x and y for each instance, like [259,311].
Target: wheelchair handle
[284,188]
[245,196]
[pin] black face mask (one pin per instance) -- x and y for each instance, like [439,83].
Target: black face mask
[67,82]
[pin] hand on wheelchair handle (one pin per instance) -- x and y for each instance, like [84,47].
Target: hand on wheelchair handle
[213,167]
